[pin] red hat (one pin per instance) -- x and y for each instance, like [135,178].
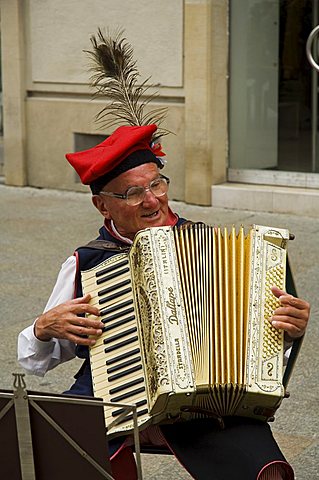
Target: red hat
[102,159]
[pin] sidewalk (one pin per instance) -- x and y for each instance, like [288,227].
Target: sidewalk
[40,228]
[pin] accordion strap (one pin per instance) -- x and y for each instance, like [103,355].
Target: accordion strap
[101,244]
[106,245]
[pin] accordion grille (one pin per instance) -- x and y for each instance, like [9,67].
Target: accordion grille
[214,268]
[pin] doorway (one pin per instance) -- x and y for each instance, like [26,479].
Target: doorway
[273,93]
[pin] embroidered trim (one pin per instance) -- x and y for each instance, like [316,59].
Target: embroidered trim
[77,260]
[276,470]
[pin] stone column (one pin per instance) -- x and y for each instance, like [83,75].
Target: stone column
[14,91]
[206,64]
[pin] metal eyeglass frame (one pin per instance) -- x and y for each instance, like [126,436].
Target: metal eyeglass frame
[124,196]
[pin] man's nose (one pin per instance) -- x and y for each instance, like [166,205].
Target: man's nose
[150,198]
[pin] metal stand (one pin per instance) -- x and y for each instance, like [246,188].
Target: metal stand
[23,407]
[20,400]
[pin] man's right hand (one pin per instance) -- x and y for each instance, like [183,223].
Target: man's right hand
[63,322]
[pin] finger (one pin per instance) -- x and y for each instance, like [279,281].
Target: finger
[83,308]
[294,326]
[83,330]
[277,291]
[287,320]
[84,299]
[281,294]
[289,311]
[288,299]
[294,330]
[81,340]
[295,303]
[86,322]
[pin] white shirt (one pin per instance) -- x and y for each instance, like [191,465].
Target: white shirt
[36,356]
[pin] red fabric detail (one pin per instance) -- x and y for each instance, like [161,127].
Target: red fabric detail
[172,218]
[152,436]
[123,465]
[76,276]
[277,470]
[157,150]
[171,222]
[125,444]
[97,161]
[107,226]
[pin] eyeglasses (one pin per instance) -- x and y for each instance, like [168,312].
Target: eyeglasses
[135,195]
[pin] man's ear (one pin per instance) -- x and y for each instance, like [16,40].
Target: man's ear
[99,203]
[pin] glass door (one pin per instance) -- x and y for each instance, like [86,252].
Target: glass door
[295,87]
[273,93]
[312,56]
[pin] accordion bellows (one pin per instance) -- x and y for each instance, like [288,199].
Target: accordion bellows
[187,331]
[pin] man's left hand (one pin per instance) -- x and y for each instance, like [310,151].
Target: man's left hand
[292,316]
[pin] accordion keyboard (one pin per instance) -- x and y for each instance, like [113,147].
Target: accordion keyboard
[116,362]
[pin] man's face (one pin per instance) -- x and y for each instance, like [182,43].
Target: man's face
[152,212]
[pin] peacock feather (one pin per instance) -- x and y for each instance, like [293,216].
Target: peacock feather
[116,77]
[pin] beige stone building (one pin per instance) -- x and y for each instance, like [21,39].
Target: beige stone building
[241,95]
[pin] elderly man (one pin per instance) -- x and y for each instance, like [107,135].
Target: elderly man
[131,194]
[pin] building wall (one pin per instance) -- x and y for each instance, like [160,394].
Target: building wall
[14,91]
[182,45]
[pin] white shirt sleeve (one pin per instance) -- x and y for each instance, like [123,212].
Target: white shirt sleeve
[36,356]
[287,351]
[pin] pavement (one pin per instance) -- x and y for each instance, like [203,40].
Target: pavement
[40,228]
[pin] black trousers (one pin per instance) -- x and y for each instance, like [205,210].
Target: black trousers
[238,452]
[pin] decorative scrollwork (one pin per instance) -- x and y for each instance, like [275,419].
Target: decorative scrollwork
[151,326]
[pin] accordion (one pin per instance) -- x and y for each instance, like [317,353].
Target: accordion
[187,332]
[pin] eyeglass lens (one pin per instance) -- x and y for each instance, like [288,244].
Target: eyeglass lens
[136,195]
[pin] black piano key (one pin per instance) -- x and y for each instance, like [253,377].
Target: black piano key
[116,376]
[120,335]
[130,417]
[129,362]
[111,268]
[117,324]
[112,275]
[121,344]
[115,295]
[117,315]
[118,412]
[115,307]
[121,357]
[125,386]
[116,286]
[129,394]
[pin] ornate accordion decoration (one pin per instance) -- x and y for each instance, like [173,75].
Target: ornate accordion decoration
[187,331]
